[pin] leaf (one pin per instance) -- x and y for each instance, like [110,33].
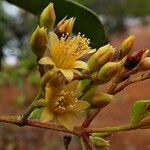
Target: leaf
[140,110]
[87,22]
[36,114]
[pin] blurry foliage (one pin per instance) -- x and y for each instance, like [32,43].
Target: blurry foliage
[138,7]
[15,31]
[114,12]
[85,2]
[25,70]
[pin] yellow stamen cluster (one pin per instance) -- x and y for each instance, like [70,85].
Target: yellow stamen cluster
[64,103]
[71,49]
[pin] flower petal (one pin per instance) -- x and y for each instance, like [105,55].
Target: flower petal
[72,86]
[46,61]
[49,91]
[67,73]
[47,115]
[91,51]
[80,65]
[80,105]
[77,72]
[54,42]
[66,120]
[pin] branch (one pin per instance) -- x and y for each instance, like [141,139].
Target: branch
[128,127]
[90,118]
[34,123]
[88,142]
[131,81]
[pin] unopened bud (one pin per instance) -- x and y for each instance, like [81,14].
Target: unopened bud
[145,64]
[127,45]
[65,26]
[133,59]
[101,57]
[101,100]
[107,72]
[100,142]
[47,18]
[39,41]
[90,94]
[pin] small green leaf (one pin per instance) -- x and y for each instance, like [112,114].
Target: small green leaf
[36,114]
[140,110]
[87,22]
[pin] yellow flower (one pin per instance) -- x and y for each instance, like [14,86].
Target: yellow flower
[62,104]
[65,52]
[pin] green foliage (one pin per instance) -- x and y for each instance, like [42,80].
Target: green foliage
[87,22]
[36,114]
[140,110]
[138,7]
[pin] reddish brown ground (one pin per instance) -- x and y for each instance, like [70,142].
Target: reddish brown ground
[27,138]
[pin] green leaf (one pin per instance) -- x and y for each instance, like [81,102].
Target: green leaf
[140,110]
[86,22]
[36,114]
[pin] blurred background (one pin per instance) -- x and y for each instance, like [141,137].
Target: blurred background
[19,78]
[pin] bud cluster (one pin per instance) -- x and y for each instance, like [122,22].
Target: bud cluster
[76,70]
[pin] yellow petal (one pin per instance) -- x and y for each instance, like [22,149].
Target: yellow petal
[66,120]
[72,86]
[47,115]
[49,91]
[67,73]
[80,105]
[54,42]
[77,72]
[80,65]
[90,51]
[46,61]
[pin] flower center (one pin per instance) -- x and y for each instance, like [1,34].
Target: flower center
[71,48]
[65,102]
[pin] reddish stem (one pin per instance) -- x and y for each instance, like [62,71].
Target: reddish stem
[88,142]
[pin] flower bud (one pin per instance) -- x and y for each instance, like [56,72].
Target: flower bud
[47,18]
[107,72]
[90,94]
[39,41]
[102,56]
[65,26]
[100,142]
[127,45]
[101,100]
[133,59]
[145,64]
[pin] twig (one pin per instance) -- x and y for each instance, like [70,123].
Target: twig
[34,123]
[88,142]
[131,81]
[111,129]
[90,118]
[35,103]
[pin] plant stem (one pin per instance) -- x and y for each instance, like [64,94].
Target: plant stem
[83,144]
[111,129]
[34,105]
[10,119]
[88,142]
[131,81]
[34,123]
[90,118]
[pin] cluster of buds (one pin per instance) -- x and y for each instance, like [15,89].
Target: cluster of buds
[74,80]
